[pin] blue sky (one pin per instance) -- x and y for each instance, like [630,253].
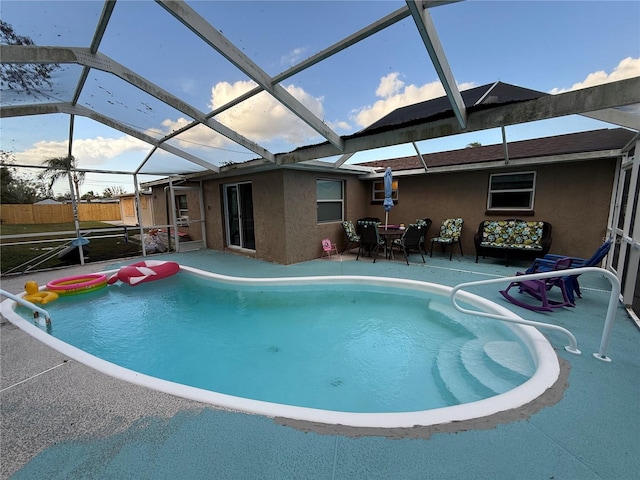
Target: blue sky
[550,46]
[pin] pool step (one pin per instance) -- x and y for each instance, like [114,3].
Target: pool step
[451,374]
[497,377]
[510,356]
[470,370]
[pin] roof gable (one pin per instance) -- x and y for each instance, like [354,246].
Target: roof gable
[492,94]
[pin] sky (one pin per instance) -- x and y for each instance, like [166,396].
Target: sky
[550,46]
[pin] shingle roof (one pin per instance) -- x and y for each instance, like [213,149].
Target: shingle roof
[474,99]
[596,140]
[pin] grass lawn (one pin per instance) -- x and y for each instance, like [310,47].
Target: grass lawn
[46,250]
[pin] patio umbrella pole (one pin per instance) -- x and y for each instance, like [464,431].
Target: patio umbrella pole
[388,194]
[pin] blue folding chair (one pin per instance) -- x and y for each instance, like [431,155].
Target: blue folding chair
[546,264]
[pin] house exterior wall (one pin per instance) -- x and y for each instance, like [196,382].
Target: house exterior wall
[268,213]
[304,233]
[574,197]
[193,204]
[287,231]
[284,209]
[128,210]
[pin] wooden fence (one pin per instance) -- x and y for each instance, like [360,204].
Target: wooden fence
[34,214]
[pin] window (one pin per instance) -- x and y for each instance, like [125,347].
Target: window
[330,194]
[378,191]
[511,191]
[181,207]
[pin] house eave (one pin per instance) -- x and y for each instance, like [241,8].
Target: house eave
[495,164]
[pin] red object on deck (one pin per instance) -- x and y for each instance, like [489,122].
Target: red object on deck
[146,271]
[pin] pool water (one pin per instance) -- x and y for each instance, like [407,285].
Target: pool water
[341,347]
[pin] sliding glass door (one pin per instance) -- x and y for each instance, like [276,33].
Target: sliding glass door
[238,199]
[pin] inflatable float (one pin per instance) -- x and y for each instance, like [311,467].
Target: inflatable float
[34,295]
[77,284]
[146,271]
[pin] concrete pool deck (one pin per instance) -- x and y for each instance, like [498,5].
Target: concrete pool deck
[61,419]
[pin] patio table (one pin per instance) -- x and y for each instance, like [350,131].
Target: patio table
[388,235]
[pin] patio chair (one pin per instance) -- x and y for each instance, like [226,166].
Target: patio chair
[352,236]
[370,219]
[427,225]
[411,239]
[370,240]
[547,262]
[328,247]
[539,288]
[450,233]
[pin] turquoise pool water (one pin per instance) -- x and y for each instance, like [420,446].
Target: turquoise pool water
[341,347]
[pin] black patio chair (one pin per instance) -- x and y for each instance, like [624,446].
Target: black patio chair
[411,239]
[370,240]
[427,225]
[450,233]
[370,219]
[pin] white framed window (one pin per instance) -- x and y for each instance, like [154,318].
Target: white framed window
[511,191]
[378,191]
[182,209]
[330,200]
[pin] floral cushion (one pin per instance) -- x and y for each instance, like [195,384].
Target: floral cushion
[512,234]
[350,230]
[449,231]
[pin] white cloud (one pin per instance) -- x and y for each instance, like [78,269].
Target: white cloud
[292,57]
[395,94]
[389,85]
[340,125]
[196,137]
[627,68]
[88,151]
[262,118]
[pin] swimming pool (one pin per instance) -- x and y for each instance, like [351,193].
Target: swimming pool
[392,308]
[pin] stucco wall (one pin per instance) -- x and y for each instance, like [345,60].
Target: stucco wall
[304,233]
[573,197]
[285,218]
[128,211]
[212,213]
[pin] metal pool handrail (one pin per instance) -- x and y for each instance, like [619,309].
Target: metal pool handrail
[22,301]
[573,344]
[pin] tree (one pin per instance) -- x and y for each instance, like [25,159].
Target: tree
[29,78]
[60,167]
[473,145]
[113,191]
[88,196]
[15,188]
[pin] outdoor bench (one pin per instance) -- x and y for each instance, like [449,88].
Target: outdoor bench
[512,238]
